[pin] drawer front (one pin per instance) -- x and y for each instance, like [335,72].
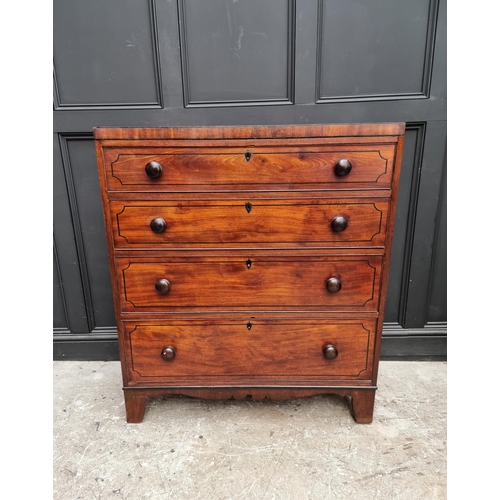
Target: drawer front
[248,169]
[268,350]
[259,283]
[240,222]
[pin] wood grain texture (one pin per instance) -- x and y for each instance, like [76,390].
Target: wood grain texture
[387,258]
[135,406]
[226,351]
[257,132]
[280,222]
[269,284]
[205,169]
[243,236]
[361,405]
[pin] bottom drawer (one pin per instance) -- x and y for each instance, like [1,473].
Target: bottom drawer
[228,352]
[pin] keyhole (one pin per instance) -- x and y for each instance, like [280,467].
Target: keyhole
[248,155]
[249,325]
[248,207]
[249,264]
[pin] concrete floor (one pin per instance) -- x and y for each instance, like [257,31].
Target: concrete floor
[301,449]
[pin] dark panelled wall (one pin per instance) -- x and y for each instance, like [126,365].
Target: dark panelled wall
[149,63]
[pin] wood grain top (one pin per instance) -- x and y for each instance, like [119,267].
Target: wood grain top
[253,132]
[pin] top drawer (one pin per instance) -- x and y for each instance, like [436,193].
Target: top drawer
[160,169]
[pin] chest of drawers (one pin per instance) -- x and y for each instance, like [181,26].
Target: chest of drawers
[250,261]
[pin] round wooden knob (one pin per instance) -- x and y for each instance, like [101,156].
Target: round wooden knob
[330,351]
[333,285]
[158,225]
[162,286]
[153,170]
[339,223]
[168,353]
[342,167]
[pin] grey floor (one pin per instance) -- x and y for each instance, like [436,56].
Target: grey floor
[301,449]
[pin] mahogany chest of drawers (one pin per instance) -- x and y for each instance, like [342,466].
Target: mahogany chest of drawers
[250,261]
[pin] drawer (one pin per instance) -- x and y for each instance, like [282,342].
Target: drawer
[242,223]
[270,350]
[127,170]
[257,283]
